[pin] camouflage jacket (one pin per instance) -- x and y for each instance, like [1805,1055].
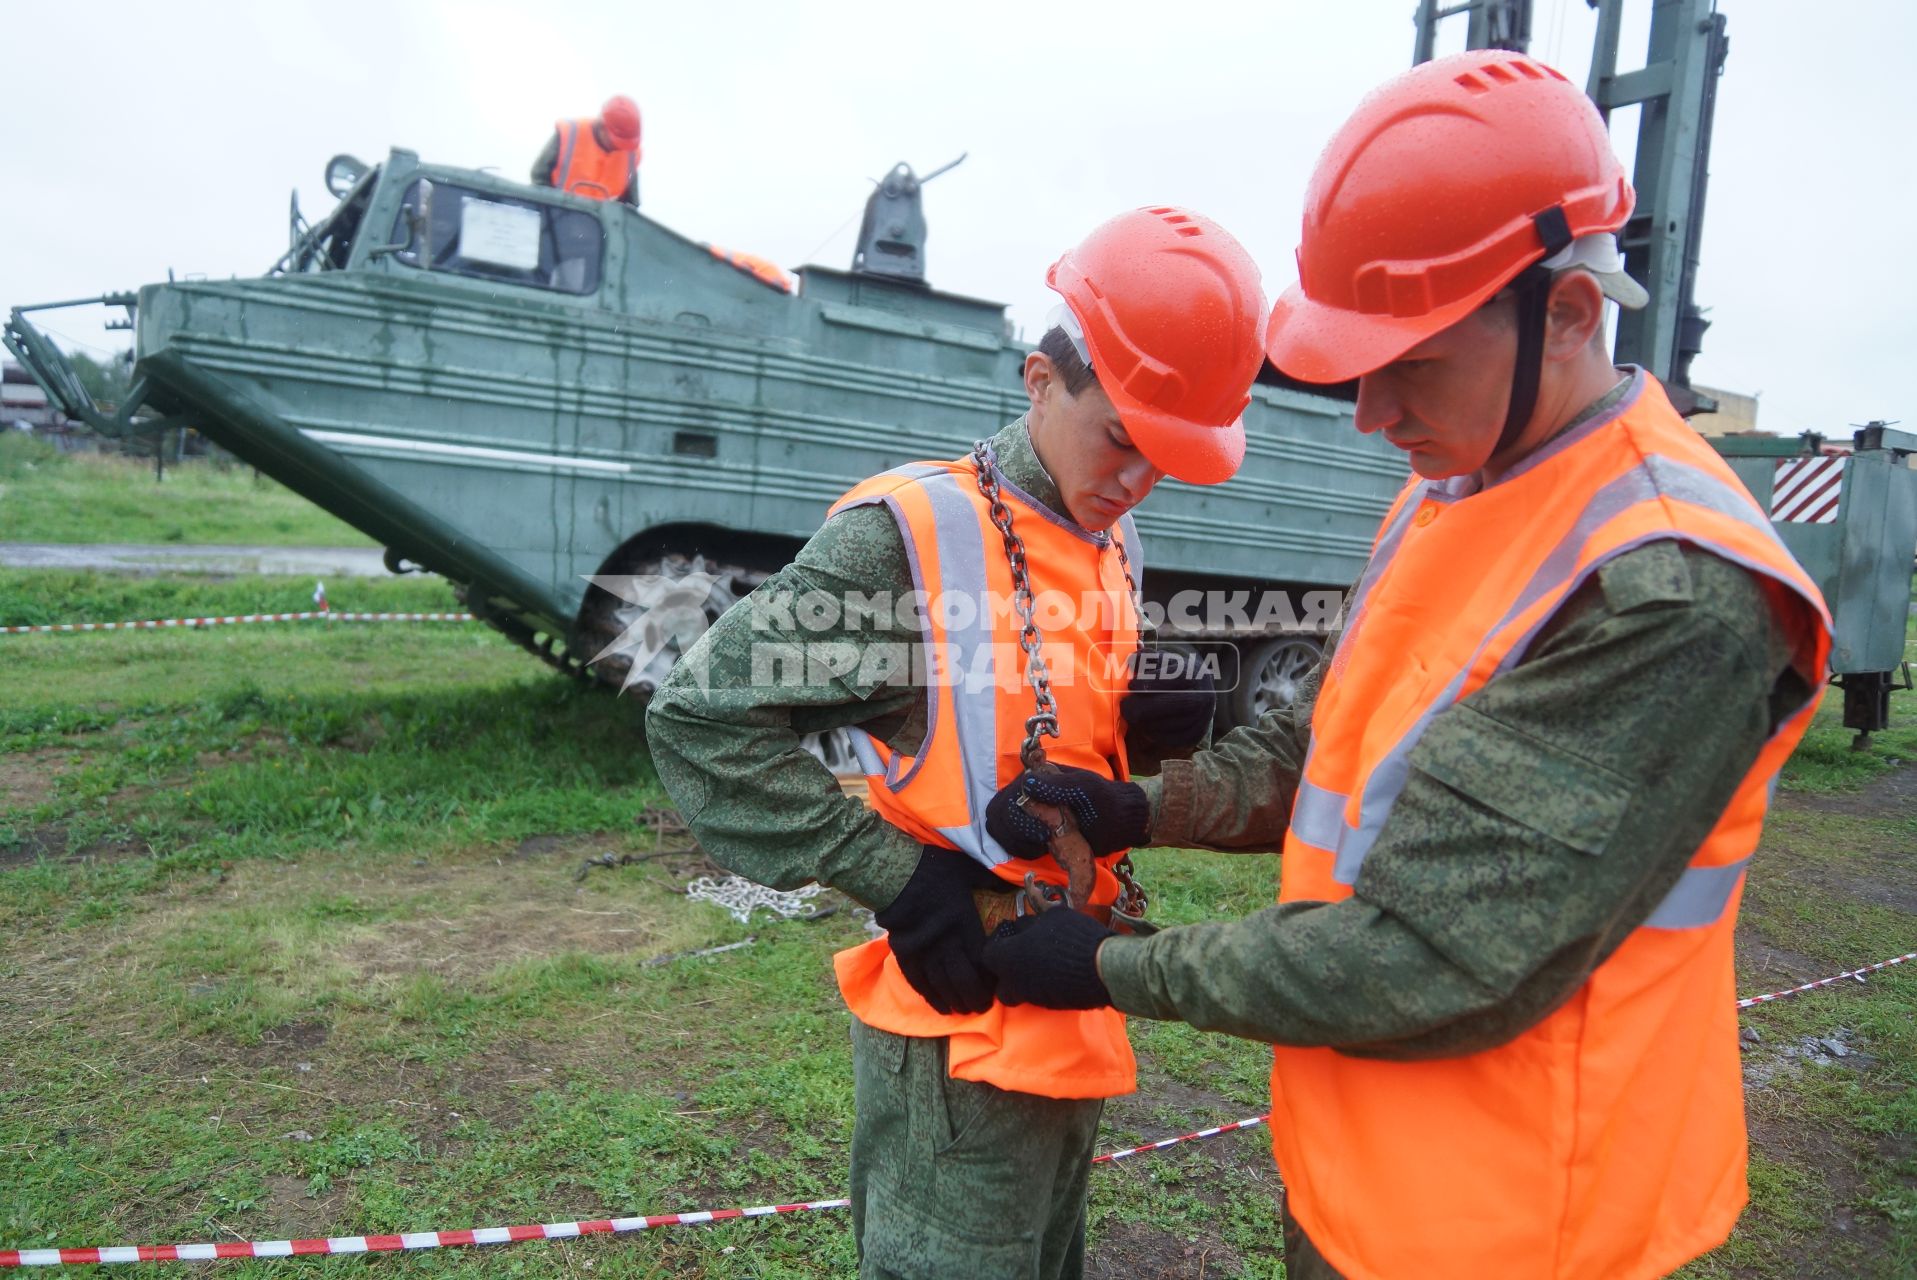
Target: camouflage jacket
[1474,916]
[725,740]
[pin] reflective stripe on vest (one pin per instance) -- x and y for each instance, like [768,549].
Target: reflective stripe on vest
[976,708]
[1608,1138]
[1318,814]
[970,649]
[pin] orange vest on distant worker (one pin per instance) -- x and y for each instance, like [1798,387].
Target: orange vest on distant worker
[584,168]
[1607,1140]
[977,708]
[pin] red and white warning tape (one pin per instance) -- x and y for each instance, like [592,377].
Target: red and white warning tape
[602,1226]
[161,624]
[389,1244]
[1160,1145]
[1855,974]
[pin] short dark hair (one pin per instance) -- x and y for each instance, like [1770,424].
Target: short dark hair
[1057,347]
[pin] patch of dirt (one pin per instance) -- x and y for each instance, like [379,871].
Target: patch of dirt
[40,842]
[1159,1095]
[1776,967]
[1891,795]
[27,778]
[1851,1246]
[1879,872]
[485,937]
[53,843]
[1165,1108]
[291,1213]
[1125,1250]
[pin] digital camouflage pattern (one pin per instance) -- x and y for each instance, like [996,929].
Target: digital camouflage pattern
[1486,902]
[957,1178]
[1545,817]
[949,1177]
[728,753]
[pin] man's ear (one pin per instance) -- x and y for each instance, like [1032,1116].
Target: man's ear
[1574,314]
[1040,373]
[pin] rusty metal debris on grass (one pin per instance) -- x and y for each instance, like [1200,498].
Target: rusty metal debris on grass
[670,837]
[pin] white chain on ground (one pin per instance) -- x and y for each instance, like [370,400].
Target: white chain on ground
[738,897]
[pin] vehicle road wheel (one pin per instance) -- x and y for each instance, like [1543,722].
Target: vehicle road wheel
[639,625]
[1270,675]
[636,625]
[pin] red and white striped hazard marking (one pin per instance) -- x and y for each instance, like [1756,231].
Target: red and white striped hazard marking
[1213,1132]
[1807,490]
[390,1244]
[605,1226]
[165,624]
[1854,975]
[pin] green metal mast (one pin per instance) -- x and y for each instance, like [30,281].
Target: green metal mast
[1676,91]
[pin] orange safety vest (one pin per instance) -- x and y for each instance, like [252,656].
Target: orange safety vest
[1607,1140]
[764,269]
[584,168]
[978,704]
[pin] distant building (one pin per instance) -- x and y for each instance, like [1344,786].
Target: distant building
[1736,413]
[22,403]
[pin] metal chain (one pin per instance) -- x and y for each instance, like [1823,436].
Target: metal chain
[739,897]
[1132,899]
[1043,723]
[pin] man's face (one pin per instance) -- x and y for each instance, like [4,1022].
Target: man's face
[1083,444]
[1443,402]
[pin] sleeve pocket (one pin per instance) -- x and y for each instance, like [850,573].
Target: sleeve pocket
[1534,783]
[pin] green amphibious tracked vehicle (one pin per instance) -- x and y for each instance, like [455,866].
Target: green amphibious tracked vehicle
[520,389]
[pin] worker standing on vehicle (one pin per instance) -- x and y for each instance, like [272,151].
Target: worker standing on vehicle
[595,157]
[975,1122]
[1516,812]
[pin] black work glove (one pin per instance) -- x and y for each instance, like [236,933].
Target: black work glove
[1112,815]
[935,932]
[1050,960]
[1173,710]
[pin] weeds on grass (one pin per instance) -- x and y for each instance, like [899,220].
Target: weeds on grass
[319,925]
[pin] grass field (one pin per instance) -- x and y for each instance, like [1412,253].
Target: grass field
[48,496]
[293,942]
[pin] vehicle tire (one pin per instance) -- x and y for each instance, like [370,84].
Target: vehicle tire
[666,604]
[634,631]
[1270,674]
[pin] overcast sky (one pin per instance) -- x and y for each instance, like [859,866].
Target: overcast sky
[146,136]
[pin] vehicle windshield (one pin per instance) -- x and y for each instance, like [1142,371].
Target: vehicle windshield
[498,237]
[327,245]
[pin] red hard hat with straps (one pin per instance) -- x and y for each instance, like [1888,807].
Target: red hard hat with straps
[620,116]
[1172,313]
[1445,184]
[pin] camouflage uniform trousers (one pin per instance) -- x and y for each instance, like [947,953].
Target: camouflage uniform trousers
[957,1178]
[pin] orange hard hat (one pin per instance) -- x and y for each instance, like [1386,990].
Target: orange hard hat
[1446,183]
[1171,312]
[620,116]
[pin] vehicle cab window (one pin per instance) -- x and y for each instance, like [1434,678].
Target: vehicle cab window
[498,237]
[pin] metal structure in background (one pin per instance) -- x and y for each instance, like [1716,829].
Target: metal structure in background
[1493,24]
[892,233]
[1851,521]
[1676,91]
[1677,88]
[522,390]
[1858,537]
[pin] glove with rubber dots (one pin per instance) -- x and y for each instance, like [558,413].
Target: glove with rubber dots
[935,934]
[1111,815]
[1171,703]
[1050,960]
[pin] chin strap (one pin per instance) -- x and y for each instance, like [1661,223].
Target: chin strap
[1533,289]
